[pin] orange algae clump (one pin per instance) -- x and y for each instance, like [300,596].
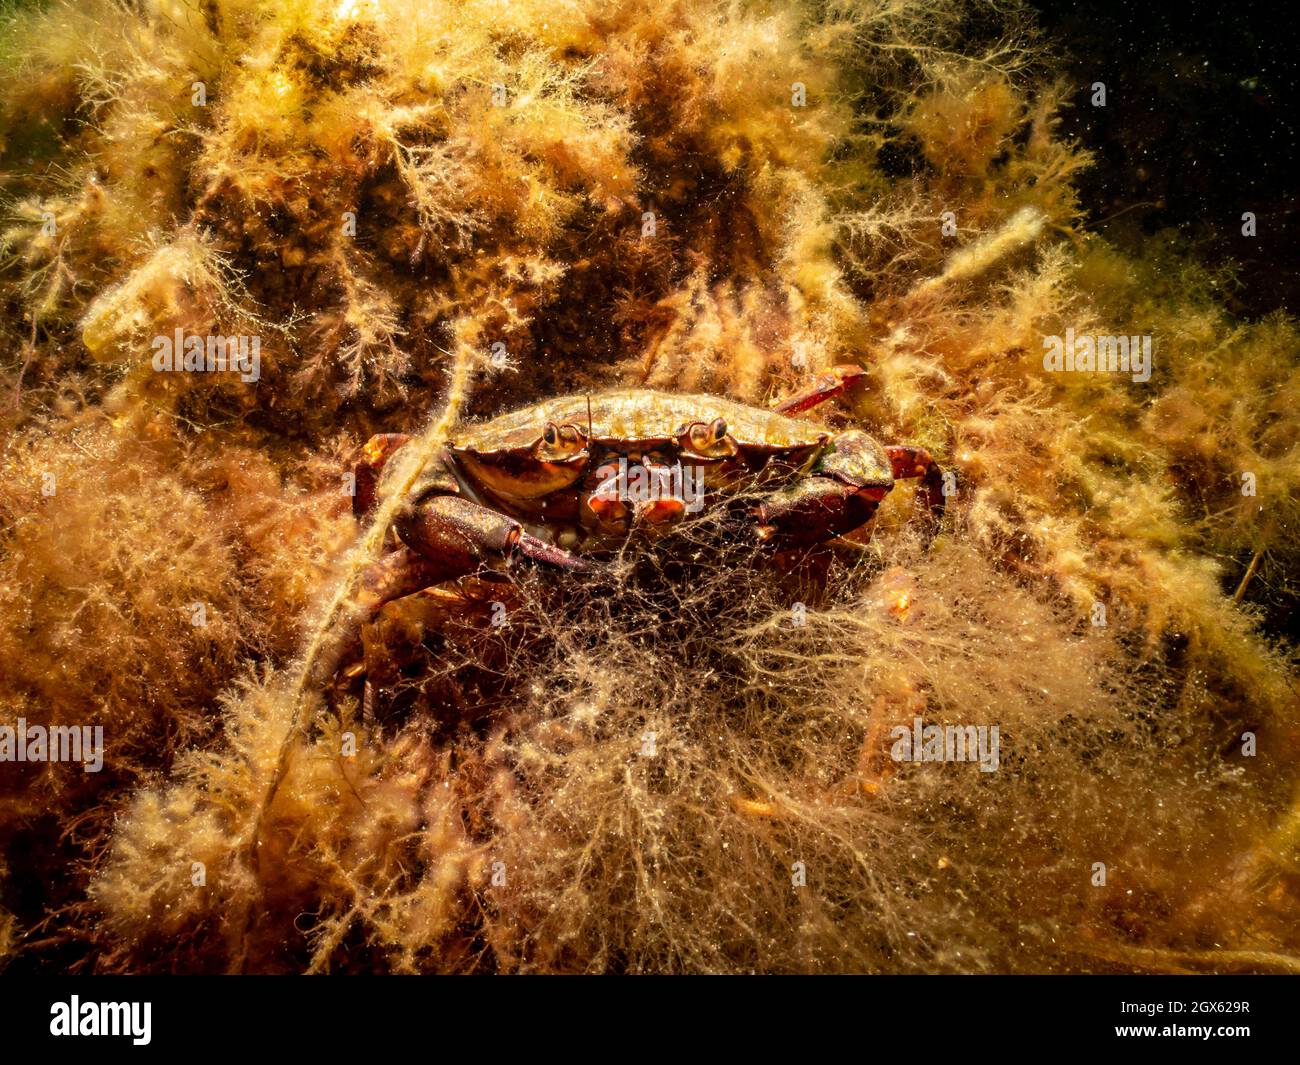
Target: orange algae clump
[426,209]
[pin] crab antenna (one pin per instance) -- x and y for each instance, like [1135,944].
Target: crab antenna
[588,415]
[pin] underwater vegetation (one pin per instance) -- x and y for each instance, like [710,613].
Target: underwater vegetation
[407,214]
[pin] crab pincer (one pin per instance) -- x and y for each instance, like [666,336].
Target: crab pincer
[441,538]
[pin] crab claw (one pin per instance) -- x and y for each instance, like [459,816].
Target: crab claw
[815,510]
[443,537]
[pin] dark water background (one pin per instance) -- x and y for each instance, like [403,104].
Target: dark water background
[1200,125]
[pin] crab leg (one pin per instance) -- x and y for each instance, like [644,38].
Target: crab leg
[397,574]
[369,463]
[829,384]
[844,490]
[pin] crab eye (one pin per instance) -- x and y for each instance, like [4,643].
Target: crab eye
[551,434]
[704,438]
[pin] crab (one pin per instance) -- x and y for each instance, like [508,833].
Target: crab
[557,481]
